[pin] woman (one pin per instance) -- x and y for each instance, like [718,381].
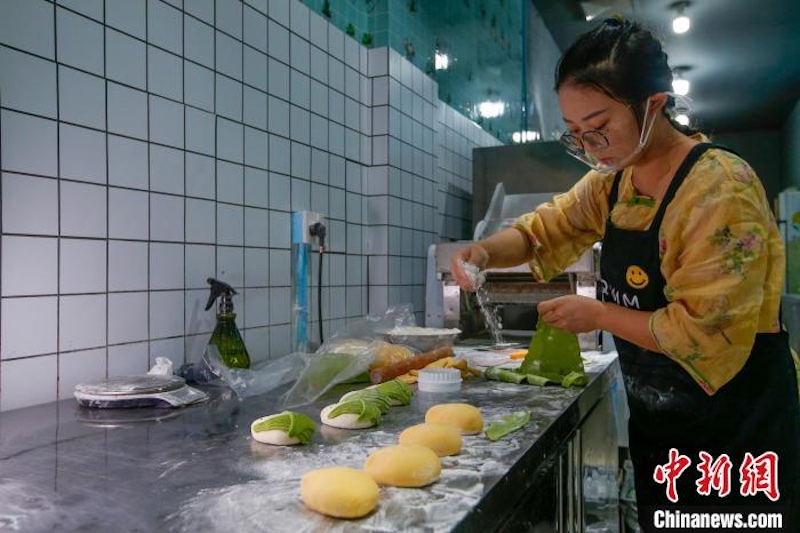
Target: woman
[692,269]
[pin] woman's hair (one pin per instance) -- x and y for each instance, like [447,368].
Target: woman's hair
[623,60]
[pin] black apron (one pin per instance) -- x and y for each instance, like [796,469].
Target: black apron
[756,412]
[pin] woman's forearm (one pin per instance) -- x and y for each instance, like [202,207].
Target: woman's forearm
[629,324]
[507,248]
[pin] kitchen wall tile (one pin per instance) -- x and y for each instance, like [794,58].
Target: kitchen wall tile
[202,9]
[79,367]
[81,322]
[128,214]
[229,17]
[173,349]
[91,8]
[230,182]
[257,342]
[279,191]
[127,162]
[127,318]
[128,359]
[319,198]
[352,82]
[299,19]
[279,116]
[255,68]
[318,30]
[127,111]
[279,340]
[279,160]
[81,98]
[79,42]
[319,165]
[200,221]
[354,274]
[279,305]
[230,225]
[337,168]
[256,309]
[279,268]
[230,140]
[126,59]
[82,267]
[29,204]
[256,267]
[337,236]
[127,265]
[336,138]
[195,345]
[319,133]
[352,144]
[300,125]
[376,240]
[255,107]
[318,98]
[198,41]
[25,382]
[337,269]
[200,131]
[198,86]
[230,265]
[229,54]
[199,266]
[301,89]
[318,64]
[28,144]
[29,83]
[29,26]
[166,169]
[301,161]
[255,28]
[166,266]
[335,41]
[335,74]
[278,42]
[279,79]
[352,114]
[30,326]
[164,73]
[301,195]
[256,148]
[164,26]
[166,122]
[127,16]
[256,187]
[83,154]
[166,314]
[166,217]
[83,210]
[200,176]
[352,53]
[300,52]
[336,203]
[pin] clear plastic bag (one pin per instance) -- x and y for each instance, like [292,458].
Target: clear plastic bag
[259,379]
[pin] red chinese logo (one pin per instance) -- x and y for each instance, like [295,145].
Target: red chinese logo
[756,474]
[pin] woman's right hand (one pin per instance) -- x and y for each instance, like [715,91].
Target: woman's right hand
[474,254]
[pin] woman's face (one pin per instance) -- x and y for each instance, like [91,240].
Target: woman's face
[586,109]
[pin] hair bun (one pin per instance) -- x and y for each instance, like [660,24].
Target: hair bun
[615,22]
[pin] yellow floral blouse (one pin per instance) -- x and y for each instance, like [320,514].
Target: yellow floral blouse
[721,256]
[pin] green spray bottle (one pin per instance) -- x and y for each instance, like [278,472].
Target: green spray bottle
[226,335]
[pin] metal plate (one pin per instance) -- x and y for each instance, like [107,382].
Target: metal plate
[131,385]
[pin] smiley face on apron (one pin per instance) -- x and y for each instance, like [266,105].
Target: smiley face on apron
[636,277]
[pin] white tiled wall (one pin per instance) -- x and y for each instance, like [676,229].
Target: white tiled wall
[149,144]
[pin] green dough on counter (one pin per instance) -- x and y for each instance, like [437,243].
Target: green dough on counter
[508,424]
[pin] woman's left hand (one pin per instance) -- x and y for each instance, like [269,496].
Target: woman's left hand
[573,313]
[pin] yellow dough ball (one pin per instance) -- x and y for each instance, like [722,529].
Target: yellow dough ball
[404,466]
[441,438]
[467,418]
[339,491]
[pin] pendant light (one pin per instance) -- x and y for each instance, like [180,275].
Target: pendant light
[681,23]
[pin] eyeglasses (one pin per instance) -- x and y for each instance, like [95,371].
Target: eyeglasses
[576,144]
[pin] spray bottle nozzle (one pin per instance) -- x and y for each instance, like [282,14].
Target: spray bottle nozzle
[220,288]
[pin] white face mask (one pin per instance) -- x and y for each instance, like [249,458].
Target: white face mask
[595,164]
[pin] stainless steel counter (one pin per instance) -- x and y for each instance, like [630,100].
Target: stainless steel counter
[66,468]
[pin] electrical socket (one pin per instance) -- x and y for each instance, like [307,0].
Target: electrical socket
[301,226]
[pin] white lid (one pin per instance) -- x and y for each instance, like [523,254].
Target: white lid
[439,380]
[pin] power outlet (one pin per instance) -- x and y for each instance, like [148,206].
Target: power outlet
[301,226]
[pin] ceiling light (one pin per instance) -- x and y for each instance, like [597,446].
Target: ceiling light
[680,86]
[525,136]
[491,109]
[441,61]
[681,23]
[682,119]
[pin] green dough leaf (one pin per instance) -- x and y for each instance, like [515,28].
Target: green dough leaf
[398,392]
[370,395]
[366,410]
[507,424]
[295,425]
[575,379]
[503,374]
